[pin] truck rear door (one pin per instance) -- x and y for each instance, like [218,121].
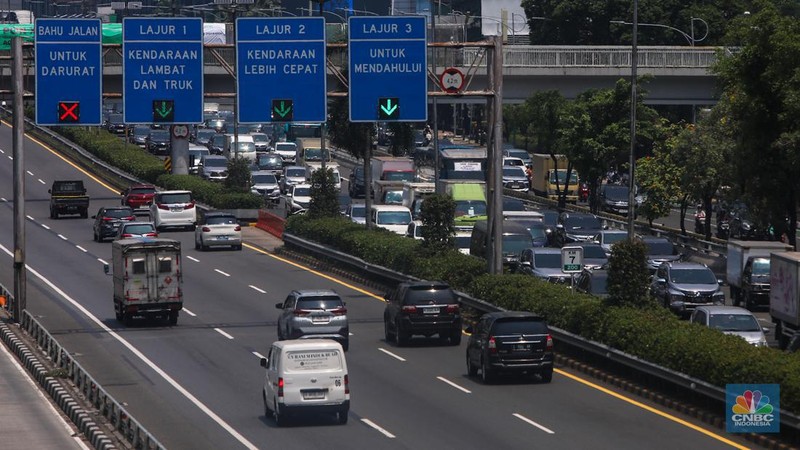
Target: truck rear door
[164,276]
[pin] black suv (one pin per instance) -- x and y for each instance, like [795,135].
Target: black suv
[108,220]
[357,183]
[510,342]
[422,307]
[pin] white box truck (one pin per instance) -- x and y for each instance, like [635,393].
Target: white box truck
[747,271]
[414,194]
[784,296]
[147,278]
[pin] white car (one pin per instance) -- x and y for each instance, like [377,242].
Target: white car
[463,239]
[218,229]
[299,197]
[265,184]
[511,161]
[292,175]
[357,212]
[391,217]
[731,320]
[415,230]
[213,167]
[607,238]
[173,209]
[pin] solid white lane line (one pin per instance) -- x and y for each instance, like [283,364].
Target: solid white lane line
[81,249]
[256,289]
[259,355]
[189,312]
[465,390]
[4,199]
[193,259]
[62,237]
[101,261]
[29,172]
[30,218]
[379,428]
[530,422]
[391,354]
[136,352]
[223,333]
[223,273]
[41,181]
[45,227]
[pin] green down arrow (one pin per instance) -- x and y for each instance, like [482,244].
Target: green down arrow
[283,110]
[389,109]
[164,110]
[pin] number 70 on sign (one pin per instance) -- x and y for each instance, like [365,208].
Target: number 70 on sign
[571,259]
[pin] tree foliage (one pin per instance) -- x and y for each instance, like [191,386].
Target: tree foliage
[438,229]
[324,201]
[628,276]
[402,140]
[658,178]
[238,175]
[351,137]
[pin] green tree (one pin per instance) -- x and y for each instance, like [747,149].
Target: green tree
[628,276]
[438,229]
[238,175]
[402,140]
[761,87]
[324,201]
[351,137]
[658,178]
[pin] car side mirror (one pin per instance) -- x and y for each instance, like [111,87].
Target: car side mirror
[525,263]
[720,282]
[106,269]
[94,217]
[766,330]
[279,305]
[121,192]
[559,226]
[469,329]
[264,362]
[661,280]
[49,191]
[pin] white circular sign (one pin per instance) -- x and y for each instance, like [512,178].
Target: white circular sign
[180,131]
[452,80]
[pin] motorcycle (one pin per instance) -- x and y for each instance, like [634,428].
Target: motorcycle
[700,221]
[584,192]
[723,226]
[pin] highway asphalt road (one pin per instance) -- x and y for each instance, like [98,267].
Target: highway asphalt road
[197,385]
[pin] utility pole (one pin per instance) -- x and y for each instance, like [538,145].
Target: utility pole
[17,125]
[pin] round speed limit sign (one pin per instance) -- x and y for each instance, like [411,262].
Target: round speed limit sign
[180,131]
[452,80]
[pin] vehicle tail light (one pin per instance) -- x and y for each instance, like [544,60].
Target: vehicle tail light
[130,218]
[492,345]
[453,309]
[301,312]
[162,206]
[238,228]
[206,229]
[346,384]
[549,345]
[108,219]
[280,387]
[190,205]
[126,235]
[409,309]
[339,311]
[151,235]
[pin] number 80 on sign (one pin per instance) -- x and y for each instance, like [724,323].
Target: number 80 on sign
[571,259]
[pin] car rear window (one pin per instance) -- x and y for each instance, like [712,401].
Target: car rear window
[119,213]
[300,361]
[184,197]
[659,248]
[218,220]
[139,229]
[437,294]
[143,191]
[323,302]
[533,325]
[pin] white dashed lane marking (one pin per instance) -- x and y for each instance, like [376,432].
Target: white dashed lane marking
[193,259]
[81,249]
[62,237]
[530,422]
[379,428]
[221,272]
[399,358]
[223,333]
[189,312]
[257,289]
[465,390]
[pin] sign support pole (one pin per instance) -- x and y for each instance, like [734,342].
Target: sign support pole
[368,182]
[18,123]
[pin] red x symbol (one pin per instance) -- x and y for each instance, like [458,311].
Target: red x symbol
[68,111]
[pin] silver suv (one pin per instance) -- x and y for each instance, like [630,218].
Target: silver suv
[684,286]
[314,314]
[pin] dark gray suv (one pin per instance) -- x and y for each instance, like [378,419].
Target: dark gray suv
[422,307]
[314,314]
[683,286]
[509,341]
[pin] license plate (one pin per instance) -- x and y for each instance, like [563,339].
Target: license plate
[222,238]
[430,310]
[320,319]
[521,347]
[314,395]
[176,209]
[515,185]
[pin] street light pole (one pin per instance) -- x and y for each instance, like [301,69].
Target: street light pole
[631,161]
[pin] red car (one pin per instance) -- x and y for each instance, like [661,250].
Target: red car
[138,196]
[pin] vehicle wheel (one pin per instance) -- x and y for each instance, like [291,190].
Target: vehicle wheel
[471,370]
[400,338]
[173,318]
[783,341]
[341,417]
[387,336]
[203,246]
[346,344]
[84,214]
[118,315]
[127,320]
[455,337]
[95,237]
[487,375]
[238,247]
[54,214]
[280,419]
[266,405]
[196,245]
[547,375]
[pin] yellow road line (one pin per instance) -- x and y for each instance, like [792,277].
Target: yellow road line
[652,410]
[83,171]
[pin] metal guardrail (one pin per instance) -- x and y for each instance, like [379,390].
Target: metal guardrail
[129,428]
[632,362]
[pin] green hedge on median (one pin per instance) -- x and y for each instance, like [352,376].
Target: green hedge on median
[653,334]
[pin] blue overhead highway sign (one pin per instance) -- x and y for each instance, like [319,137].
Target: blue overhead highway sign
[281,61]
[162,70]
[69,72]
[388,69]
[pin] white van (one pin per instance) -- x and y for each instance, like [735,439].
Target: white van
[246,149]
[391,217]
[334,167]
[308,375]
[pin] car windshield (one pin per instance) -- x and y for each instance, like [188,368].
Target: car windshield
[660,248]
[302,192]
[512,204]
[264,179]
[582,223]
[394,217]
[205,134]
[514,244]
[393,198]
[115,118]
[245,147]
[270,161]
[547,260]
[593,252]
[513,171]
[470,208]
[693,276]
[260,137]
[358,211]
[610,238]
[617,193]
[431,294]
[141,131]
[521,154]
[733,322]
[321,302]
[296,173]
[159,135]
[463,241]
[221,220]
[119,213]
[537,230]
[519,326]
[315,154]
[399,176]
[512,162]
[176,198]
[285,147]
[550,217]
[215,162]
[761,266]
[418,230]
[599,283]
[562,177]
